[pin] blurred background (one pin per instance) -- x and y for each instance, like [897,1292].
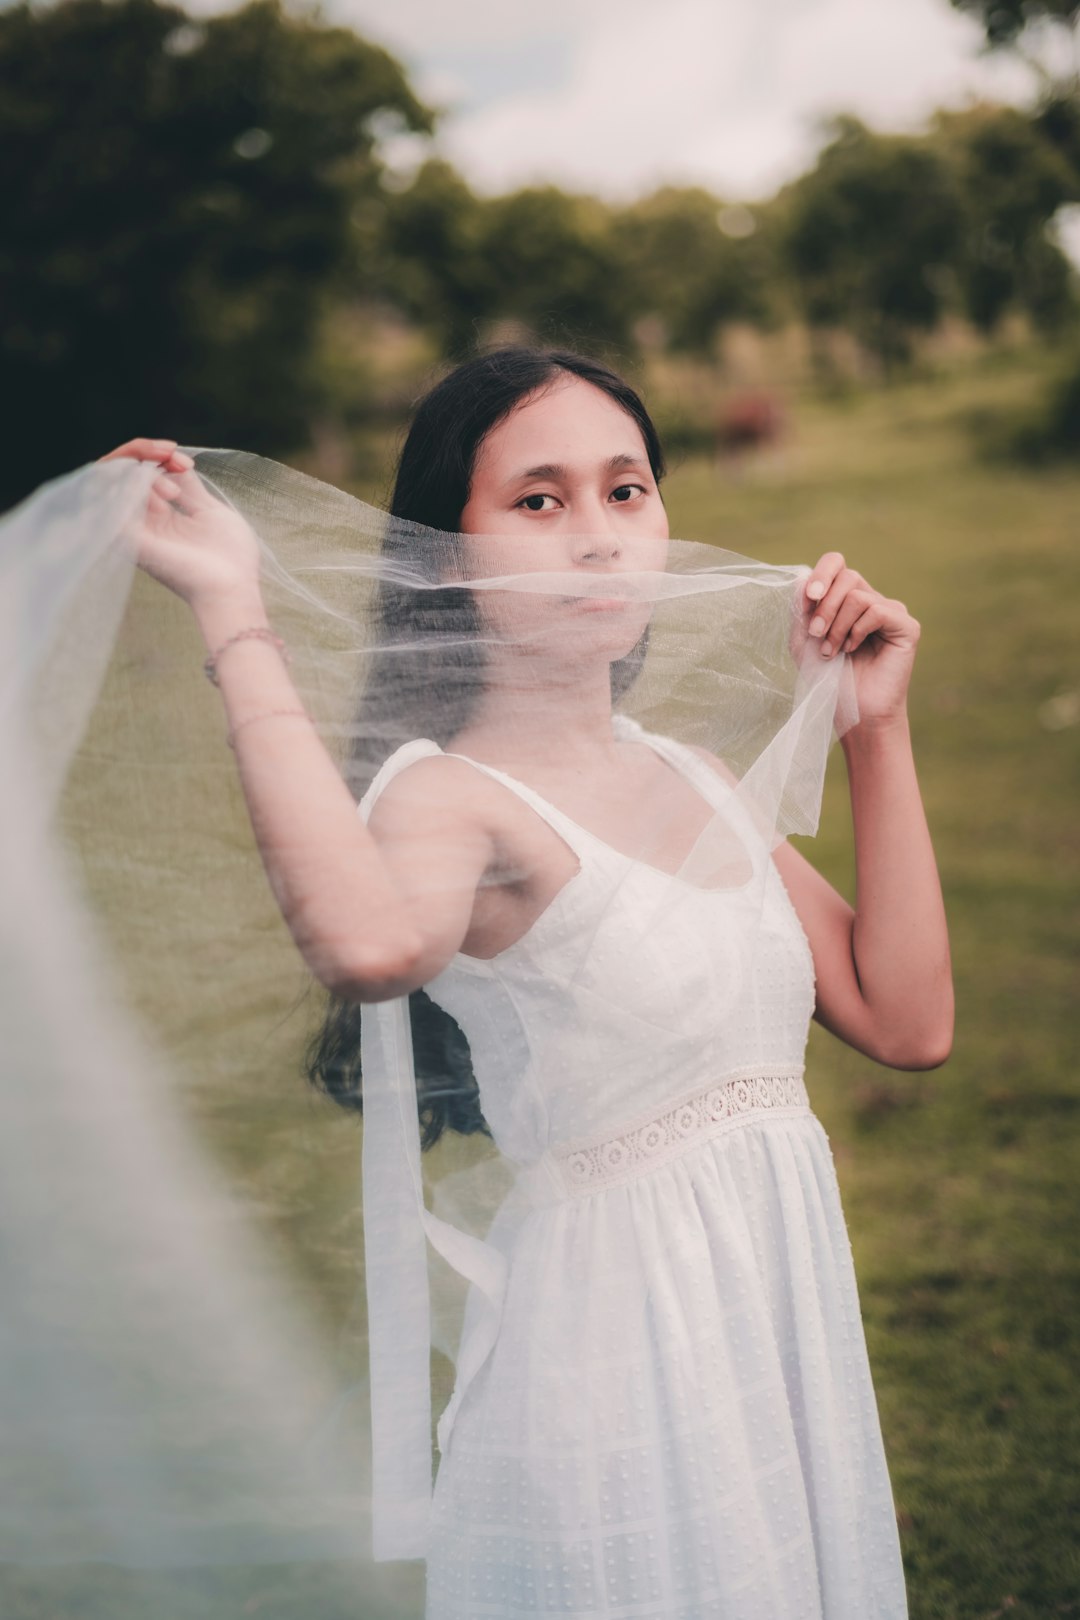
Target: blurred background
[835,242]
[263,228]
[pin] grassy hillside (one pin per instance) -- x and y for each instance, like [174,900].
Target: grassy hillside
[960,1186]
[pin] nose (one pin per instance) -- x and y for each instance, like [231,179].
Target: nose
[596,539]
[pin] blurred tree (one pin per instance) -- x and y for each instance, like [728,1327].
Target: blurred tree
[551,261]
[1046,34]
[1057,119]
[1022,22]
[457,263]
[178,197]
[436,266]
[872,235]
[695,263]
[1013,181]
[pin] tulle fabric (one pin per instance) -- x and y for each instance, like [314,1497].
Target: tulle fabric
[175,1391]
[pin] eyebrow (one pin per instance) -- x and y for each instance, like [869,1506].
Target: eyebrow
[555,469]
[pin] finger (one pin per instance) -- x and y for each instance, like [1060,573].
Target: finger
[143,450]
[891,621]
[844,582]
[179,461]
[155,521]
[156,507]
[850,611]
[822,575]
[867,624]
[851,608]
[167,488]
[196,494]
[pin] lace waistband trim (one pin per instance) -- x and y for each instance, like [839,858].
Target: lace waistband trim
[584,1167]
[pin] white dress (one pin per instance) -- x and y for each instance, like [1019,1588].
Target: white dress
[676,1420]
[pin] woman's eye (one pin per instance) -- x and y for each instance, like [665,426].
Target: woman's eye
[535,503]
[626,492]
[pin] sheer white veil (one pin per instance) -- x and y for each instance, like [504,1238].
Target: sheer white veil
[196,1363]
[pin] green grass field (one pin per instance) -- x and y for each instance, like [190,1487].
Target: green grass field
[960,1185]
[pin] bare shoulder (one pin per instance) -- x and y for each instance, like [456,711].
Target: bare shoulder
[443,810]
[432,777]
[435,788]
[474,858]
[715,763]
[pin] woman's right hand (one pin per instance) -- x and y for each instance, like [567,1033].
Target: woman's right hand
[187,539]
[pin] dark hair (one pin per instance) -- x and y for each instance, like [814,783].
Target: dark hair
[432,486]
[451,423]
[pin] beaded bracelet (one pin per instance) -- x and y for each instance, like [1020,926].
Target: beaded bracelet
[255,633]
[265,714]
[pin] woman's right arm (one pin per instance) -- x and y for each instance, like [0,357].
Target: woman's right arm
[372,918]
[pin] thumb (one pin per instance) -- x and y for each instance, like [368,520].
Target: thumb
[198,495]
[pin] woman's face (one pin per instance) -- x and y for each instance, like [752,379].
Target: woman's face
[563,485]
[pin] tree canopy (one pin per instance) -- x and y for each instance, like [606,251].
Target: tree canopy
[1005,20]
[695,263]
[192,205]
[871,234]
[178,201]
[1012,181]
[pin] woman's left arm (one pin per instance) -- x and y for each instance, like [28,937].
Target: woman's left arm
[883,973]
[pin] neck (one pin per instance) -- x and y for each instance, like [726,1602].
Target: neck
[543,722]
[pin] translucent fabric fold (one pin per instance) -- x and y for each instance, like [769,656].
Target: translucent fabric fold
[396,1223]
[185,1369]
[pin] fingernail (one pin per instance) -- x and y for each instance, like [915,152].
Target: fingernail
[166,487]
[815,590]
[182,460]
[817,626]
[826,650]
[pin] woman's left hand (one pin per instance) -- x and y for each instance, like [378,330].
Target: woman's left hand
[845,614]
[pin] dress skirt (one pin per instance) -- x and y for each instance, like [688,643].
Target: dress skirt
[677,1420]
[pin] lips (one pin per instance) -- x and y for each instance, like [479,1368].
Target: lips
[605,594]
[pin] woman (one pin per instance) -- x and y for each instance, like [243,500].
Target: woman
[672,1414]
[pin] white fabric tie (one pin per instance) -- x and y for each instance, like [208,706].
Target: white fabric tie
[399,1311]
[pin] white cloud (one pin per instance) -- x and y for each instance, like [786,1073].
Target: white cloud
[617,96]
[428,27]
[728,93]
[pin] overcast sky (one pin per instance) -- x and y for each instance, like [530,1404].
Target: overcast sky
[617,96]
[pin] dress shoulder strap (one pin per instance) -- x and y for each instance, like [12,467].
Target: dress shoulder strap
[423,748]
[407,754]
[709,783]
[569,831]
[724,796]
